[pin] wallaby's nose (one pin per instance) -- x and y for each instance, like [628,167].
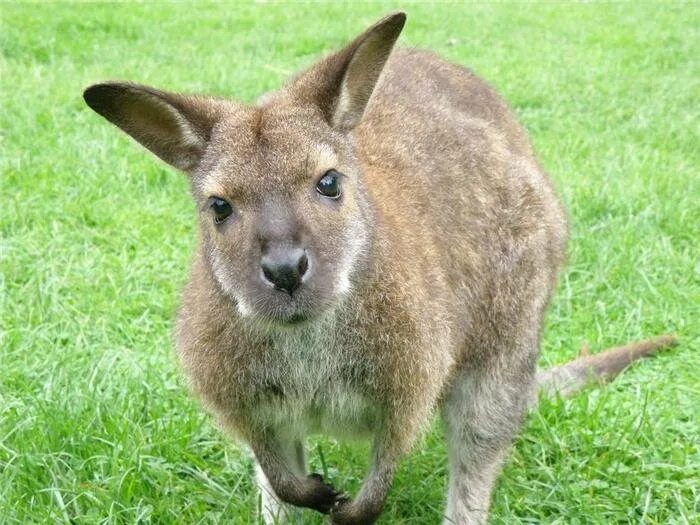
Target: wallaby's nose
[285,268]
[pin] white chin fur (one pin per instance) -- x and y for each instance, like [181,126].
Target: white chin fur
[243,308]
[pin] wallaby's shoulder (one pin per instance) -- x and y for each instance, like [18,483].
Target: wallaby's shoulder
[429,94]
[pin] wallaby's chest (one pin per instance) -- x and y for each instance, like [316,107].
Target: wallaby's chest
[307,387]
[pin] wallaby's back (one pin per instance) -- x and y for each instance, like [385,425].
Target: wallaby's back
[443,151]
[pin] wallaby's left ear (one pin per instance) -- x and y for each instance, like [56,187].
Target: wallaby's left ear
[175,127]
[342,83]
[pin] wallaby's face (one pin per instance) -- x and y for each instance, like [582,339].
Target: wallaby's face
[282,211]
[283,214]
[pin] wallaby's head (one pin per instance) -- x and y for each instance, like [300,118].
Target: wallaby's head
[283,213]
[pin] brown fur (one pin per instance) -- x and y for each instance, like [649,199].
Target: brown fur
[572,376]
[428,279]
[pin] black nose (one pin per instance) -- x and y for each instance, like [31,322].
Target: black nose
[285,268]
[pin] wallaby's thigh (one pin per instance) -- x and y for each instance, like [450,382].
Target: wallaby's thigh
[483,410]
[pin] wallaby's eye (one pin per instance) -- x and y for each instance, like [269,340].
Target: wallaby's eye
[221,208]
[329,184]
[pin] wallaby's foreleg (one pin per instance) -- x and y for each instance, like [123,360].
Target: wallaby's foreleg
[365,508]
[273,510]
[280,470]
[394,438]
[482,412]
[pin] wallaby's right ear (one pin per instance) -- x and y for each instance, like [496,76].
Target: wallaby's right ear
[177,128]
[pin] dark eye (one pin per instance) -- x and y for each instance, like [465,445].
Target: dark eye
[329,184]
[221,208]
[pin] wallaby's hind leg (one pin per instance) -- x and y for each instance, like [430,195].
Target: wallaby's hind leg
[482,412]
[274,511]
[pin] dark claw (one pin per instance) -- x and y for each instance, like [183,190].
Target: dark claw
[341,499]
[324,495]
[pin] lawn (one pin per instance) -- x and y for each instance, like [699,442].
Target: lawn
[96,424]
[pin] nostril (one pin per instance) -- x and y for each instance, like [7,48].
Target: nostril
[303,264]
[268,273]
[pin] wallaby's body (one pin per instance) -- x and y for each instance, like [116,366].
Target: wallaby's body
[461,240]
[421,286]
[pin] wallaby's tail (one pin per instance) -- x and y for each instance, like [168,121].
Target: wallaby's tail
[604,366]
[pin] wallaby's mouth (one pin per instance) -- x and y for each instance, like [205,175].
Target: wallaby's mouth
[284,309]
[297,319]
[295,312]
[293,320]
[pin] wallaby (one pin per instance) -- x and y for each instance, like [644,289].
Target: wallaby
[376,242]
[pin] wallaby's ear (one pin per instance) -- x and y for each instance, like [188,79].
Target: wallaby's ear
[177,128]
[342,84]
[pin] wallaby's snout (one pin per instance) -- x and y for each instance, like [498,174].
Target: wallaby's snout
[284,267]
[284,257]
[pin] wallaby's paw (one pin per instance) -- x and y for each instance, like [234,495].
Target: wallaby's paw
[322,495]
[348,512]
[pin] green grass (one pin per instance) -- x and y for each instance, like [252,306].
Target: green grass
[96,424]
